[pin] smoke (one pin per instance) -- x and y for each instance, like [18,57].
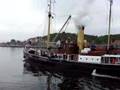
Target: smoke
[83,15]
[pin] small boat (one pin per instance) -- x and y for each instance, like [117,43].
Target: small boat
[72,58]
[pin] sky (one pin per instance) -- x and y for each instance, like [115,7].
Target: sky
[23,19]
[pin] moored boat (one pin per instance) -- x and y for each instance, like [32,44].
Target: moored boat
[75,57]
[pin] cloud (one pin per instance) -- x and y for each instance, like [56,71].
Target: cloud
[21,19]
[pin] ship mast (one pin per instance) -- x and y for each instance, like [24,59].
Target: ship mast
[109,27]
[49,22]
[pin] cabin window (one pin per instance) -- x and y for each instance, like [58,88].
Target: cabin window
[106,60]
[65,56]
[69,57]
[111,59]
[103,60]
[60,57]
[114,60]
[72,57]
[55,56]
[118,59]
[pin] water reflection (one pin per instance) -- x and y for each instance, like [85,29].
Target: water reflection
[57,81]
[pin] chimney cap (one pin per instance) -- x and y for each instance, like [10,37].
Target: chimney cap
[82,27]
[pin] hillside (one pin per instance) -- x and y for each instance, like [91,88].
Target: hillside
[89,38]
[103,39]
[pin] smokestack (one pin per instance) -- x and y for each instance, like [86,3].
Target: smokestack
[80,38]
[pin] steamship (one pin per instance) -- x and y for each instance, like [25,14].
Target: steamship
[75,57]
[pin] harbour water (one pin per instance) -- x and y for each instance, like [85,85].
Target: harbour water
[14,75]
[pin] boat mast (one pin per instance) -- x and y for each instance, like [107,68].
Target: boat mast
[49,22]
[109,28]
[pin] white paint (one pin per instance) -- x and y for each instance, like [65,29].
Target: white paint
[107,55]
[85,50]
[89,59]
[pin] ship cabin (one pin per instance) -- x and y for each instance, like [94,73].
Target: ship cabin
[110,59]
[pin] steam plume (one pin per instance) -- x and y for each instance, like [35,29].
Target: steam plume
[83,17]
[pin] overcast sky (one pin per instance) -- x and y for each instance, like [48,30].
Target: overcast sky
[22,19]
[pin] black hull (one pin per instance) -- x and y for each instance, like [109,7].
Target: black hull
[72,68]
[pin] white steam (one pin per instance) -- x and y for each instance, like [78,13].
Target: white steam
[83,15]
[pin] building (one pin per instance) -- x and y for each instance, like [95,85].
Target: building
[116,43]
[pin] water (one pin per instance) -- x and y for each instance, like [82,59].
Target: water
[14,76]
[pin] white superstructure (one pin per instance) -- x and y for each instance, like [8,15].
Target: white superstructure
[89,59]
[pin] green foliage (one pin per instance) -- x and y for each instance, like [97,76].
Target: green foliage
[103,39]
[89,38]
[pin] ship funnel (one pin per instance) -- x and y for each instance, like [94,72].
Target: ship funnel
[80,38]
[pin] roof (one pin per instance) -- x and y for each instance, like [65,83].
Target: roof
[106,55]
[116,42]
